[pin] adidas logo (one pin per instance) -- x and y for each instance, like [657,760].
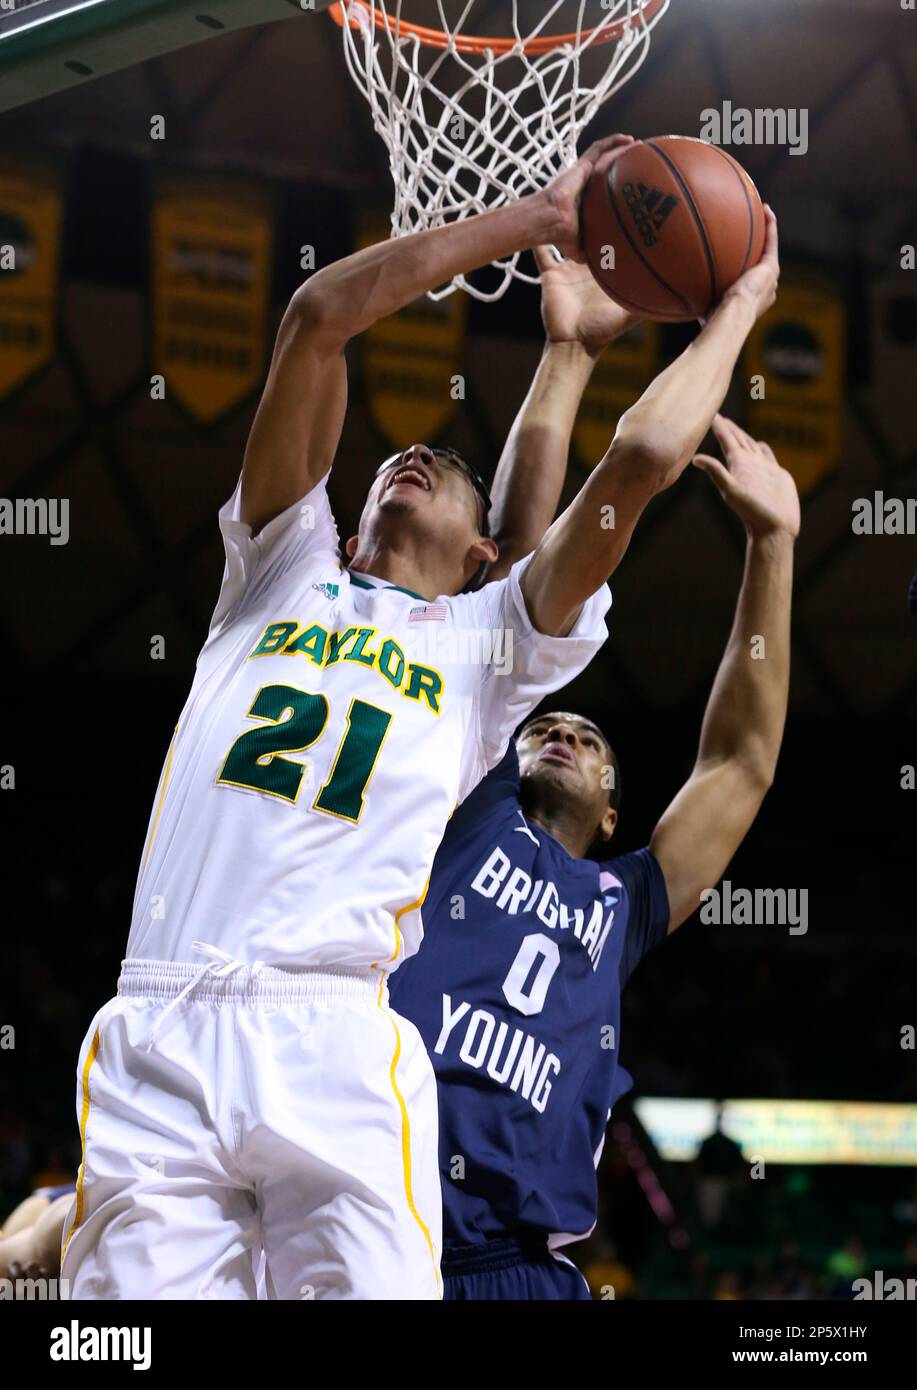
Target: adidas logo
[649,208]
[328,591]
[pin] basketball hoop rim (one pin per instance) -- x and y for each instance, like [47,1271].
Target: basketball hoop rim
[479,43]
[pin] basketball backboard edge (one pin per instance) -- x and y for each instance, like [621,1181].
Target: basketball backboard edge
[61,44]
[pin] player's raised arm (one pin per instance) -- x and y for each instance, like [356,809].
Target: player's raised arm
[653,444]
[580,321]
[299,420]
[743,724]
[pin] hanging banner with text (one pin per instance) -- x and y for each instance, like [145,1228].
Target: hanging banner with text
[212,249]
[794,367]
[621,375]
[31,210]
[412,361]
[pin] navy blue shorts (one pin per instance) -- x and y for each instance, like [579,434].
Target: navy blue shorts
[505,1270]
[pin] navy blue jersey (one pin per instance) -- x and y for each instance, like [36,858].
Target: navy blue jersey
[516,992]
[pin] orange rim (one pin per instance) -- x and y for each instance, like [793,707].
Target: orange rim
[479,43]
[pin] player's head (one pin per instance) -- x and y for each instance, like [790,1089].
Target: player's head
[431,500]
[569,768]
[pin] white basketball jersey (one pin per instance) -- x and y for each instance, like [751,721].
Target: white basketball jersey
[333,724]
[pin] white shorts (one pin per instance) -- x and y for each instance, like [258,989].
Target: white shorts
[265,1110]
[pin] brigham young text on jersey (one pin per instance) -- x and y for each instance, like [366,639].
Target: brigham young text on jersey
[517,997]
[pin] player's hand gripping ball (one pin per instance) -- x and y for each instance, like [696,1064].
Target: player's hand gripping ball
[668,225]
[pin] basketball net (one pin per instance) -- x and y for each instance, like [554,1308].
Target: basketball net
[472,122]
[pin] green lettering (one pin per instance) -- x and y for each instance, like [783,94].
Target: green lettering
[275,634]
[390,649]
[425,682]
[335,643]
[311,642]
[356,651]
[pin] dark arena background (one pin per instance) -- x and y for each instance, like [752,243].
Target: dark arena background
[806,1036]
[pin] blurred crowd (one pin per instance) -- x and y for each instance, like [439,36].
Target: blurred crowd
[705,1230]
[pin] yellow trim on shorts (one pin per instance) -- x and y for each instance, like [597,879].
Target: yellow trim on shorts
[162,797]
[406,1142]
[405,1118]
[84,1120]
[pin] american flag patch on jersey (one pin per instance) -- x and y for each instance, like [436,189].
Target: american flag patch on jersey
[428,613]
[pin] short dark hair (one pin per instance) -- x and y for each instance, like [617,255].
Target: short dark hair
[477,482]
[483,496]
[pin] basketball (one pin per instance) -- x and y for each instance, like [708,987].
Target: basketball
[669,225]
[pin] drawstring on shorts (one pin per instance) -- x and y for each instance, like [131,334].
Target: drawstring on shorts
[223,979]
[220,965]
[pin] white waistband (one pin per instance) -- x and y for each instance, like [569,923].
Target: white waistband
[221,977]
[256,984]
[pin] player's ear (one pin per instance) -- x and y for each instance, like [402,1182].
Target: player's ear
[484,549]
[350,548]
[608,823]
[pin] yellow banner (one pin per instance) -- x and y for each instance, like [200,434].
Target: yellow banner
[794,361]
[212,247]
[621,375]
[412,362]
[31,207]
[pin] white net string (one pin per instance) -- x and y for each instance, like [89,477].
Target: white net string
[467,132]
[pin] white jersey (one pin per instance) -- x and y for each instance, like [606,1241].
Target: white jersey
[334,723]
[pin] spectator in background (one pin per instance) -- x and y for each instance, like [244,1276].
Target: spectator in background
[845,1265]
[15,1155]
[604,1271]
[791,1280]
[905,1267]
[728,1286]
[720,1167]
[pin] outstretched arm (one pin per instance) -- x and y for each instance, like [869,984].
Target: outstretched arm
[652,446]
[580,321]
[299,420]
[743,725]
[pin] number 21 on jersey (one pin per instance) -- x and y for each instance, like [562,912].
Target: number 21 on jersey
[294,721]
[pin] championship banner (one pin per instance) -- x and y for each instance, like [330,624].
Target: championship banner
[794,362]
[212,249]
[621,375]
[31,210]
[410,360]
